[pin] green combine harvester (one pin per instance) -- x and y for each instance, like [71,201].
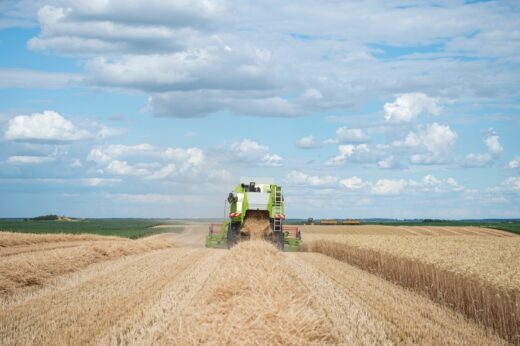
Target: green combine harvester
[256,211]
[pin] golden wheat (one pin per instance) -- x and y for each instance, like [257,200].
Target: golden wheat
[249,295]
[406,317]
[493,260]
[479,277]
[404,230]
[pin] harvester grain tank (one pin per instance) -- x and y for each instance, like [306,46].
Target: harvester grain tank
[256,211]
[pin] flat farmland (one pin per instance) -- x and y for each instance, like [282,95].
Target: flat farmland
[167,289]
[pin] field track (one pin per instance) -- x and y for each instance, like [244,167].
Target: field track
[251,294]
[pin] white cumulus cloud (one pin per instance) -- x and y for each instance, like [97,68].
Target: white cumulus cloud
[301,178]
[514,163]
[48,126]
[146,160]
[123,168]
[348,135]
[163,173]
[432,143]
[353,183]
[407,107]
[251,151]
[388,187]
[358,153]
[493,142]
[306,142]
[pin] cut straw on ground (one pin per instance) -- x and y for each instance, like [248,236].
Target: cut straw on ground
[36,267]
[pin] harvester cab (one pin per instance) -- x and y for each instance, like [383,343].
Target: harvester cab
[255,211]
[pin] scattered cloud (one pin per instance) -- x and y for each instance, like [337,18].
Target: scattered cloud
[117,167]
[432,184]
[349,152]
[383,187]
[167,171]
[105,154]
[76,163]
[353,183]
[52,128]
[388,162]
[477,160]
[300,178]
[347,135]
[29,160]
[454,185]
[407,107]
[514,163]
[146,160]
[48,126]
[100,181]
[250,151]
[493,142]
[511,184]
[432,143]
[388,187]
[306,142]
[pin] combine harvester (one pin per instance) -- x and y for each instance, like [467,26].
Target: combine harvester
[256,211]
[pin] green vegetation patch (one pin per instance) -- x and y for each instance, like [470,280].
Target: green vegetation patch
[127,228]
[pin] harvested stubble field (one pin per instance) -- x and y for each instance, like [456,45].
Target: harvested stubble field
[185,294]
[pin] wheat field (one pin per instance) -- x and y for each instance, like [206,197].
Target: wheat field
[167,289]
[477,275]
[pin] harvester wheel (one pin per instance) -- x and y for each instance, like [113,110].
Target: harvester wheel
[279,240]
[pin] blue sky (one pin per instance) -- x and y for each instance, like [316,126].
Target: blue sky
[358,109]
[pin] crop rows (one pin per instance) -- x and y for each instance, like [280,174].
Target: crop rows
[477,277]
[38,258]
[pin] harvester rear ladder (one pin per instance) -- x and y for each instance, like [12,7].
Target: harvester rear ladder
[277,209]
